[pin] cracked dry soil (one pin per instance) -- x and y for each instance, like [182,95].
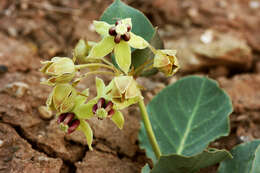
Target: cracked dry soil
[34,31]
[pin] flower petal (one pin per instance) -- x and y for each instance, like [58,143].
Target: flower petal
[118,119]
[100,85]
[84,126]
[122,83]
[84,111]
[102,28]
[101,49]
[123,55]
[137,42]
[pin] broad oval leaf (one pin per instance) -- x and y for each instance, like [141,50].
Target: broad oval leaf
[244,158]
[183,164]
[146,169]
[119,10]
[186,116]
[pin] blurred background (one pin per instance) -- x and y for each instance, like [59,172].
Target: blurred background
[215,38]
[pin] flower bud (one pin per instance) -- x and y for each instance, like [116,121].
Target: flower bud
[81,51]
[166,62]
[62,70]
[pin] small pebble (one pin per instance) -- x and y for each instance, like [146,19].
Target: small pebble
[254,4]
[45,113]
[207,37]
[3,69]
[17,89]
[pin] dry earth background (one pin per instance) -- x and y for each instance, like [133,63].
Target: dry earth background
[215,38]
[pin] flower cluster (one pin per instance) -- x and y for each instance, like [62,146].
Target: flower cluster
[72,107]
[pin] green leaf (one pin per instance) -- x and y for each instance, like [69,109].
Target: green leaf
[182,164]
[244,156]
[256,164]
[140,56]
[119,10]
[84,126]
[146,169]
[186,116]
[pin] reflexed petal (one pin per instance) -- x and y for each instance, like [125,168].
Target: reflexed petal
[100,87]
[102,28]
[49,101]
[127,21]
[137,41]
[84,111]
[80,99]
[84,126]
[102,48]
[123,55]
[118,119]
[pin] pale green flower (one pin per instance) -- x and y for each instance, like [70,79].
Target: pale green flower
[119,38]
[61,70]
[101,106]
[166,61]
[124,91]
[62,98]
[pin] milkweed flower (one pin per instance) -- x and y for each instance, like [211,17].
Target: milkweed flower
[166,61]
[61,70]
[124,91]
[117,37]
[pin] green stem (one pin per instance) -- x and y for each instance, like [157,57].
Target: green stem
[99,72]
[149,130]
[81,66]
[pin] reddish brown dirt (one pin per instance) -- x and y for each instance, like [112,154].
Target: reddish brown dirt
[32,31]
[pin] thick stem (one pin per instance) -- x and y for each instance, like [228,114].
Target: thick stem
[149,130]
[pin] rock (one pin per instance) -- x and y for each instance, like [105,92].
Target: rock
[23,113]
[51,140]
[198,50]
[17,156]
[45,113]
[244,91]
[97,162]
[16,55]
[17,89]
